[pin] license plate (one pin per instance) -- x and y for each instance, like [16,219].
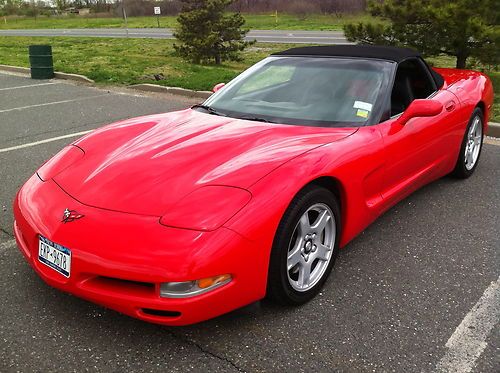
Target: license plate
[54,256]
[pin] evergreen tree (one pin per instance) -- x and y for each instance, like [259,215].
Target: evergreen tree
[207,33]
[459,28]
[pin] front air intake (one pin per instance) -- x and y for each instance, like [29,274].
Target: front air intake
[161,313]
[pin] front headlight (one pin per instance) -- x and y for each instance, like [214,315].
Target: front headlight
[188,289]
[207,208]
[58,163]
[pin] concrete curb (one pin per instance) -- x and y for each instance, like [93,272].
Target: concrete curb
[15,69]
[141,87]
[76,77]
[493,129]
[57,75]
[172,90]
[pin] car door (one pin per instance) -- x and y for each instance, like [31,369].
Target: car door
[418,151]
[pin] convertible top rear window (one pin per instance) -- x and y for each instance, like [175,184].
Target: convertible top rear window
[314,91]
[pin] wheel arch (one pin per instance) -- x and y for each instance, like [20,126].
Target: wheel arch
[328,182]
[335,186]
[481,105]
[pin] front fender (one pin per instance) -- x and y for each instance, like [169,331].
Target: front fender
[354,163]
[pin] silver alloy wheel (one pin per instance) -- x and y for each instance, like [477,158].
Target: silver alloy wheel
[311,247]
[473,144]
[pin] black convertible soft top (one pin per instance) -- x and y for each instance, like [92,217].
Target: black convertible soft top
[395,54]
[367,51]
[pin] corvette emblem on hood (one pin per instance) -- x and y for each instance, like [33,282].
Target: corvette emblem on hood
[71,215]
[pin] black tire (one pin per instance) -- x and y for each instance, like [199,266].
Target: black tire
[279,289]
[461,171]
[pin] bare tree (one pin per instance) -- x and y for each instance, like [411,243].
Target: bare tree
[61,4]
[302,9]
[323,6]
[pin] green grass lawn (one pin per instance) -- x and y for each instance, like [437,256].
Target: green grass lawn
[132,61]
[495,77]
[83,22]
[253,21]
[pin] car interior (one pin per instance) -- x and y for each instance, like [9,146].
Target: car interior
[412,82]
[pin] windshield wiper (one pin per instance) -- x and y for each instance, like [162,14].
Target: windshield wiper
[256,119]
[209,109]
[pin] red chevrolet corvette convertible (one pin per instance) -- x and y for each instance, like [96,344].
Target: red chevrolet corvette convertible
[179,217]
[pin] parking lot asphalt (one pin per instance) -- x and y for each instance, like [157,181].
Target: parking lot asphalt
[427,270]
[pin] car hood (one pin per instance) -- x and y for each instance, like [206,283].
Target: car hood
[145,165]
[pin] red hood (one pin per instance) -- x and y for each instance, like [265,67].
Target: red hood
[145,165]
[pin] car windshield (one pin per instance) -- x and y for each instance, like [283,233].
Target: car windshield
[319,91]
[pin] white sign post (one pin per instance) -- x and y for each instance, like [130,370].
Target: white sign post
[157,13]
[125,18]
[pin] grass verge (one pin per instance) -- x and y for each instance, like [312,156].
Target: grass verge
[133,61]
[130,61]
[253,21]
[495,78]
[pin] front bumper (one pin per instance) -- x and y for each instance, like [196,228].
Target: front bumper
[120,259]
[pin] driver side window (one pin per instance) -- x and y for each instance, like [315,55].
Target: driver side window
[412,81]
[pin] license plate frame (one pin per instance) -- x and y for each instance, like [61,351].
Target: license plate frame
[54,256]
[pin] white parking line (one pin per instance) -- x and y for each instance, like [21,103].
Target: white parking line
[27,86]
[7,245]
[44,141]
[55,103]
[469,340]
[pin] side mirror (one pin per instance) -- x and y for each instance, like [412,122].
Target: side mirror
[218,87]
[420,108]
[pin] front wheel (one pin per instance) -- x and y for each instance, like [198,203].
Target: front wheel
[305,247]
[471,146]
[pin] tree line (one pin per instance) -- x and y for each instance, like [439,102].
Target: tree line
[173,7]
[33,8]
[464,29]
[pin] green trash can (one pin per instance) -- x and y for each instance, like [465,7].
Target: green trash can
[42,66]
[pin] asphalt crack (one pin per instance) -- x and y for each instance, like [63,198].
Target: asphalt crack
[6,232]
[205,351]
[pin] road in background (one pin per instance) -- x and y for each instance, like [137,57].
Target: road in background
[399,291]
[263,36]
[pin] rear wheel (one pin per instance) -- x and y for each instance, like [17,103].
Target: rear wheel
[472,144]
[305,247]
